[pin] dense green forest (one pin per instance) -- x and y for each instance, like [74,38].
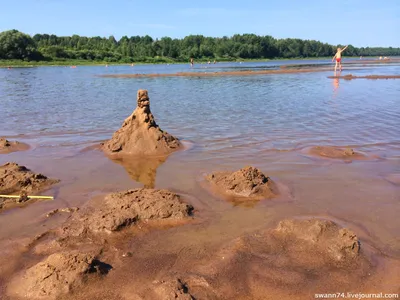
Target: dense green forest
[44,47]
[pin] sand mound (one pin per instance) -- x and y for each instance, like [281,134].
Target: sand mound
[140,135]
[336,152]
[295,253]
[120,210]
[58,274]
[248,182]
[339,244]
[20,180]
[8,147]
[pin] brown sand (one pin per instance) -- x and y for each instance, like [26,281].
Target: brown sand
[140,135]
[291,261]
[58,274]
[248,183]
[8,147]
[336,152]
[350,77]
[172,289]
[119,210]
[16,179]
[74,249]
[297,253]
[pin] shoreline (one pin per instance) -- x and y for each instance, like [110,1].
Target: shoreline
[246,73]
[22,64]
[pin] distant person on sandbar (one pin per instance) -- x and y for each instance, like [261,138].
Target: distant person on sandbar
[338,57]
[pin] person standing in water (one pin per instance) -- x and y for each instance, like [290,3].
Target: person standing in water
[191,61]
[338,57]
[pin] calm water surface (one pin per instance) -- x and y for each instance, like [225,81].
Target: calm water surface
[263,120]
[60,106]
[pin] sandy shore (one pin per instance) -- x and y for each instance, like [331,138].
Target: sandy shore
[289,70]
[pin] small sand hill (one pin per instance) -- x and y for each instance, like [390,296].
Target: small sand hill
[336,152]
[119,210]
[16,179]
[7,146]
[140,135]
[248,182]
[58,274]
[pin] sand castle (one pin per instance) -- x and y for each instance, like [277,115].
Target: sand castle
[248,182]
[7,146]
[140,134]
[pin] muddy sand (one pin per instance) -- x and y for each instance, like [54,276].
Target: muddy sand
[19,180]
[263,264]
[248,183]
[75,248]
[334,152]
[295,253]
[11,146]
[119,210]
[140,134]
[60,273]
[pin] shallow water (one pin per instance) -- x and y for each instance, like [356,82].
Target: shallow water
[230,122]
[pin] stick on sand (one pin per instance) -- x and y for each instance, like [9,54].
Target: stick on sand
[31,197]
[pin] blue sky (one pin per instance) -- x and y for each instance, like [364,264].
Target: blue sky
[356,22]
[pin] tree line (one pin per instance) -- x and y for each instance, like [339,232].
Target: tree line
[18,45]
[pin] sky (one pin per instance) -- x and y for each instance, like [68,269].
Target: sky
[360,23]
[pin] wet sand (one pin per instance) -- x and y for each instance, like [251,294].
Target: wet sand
[7,147]
[162,252]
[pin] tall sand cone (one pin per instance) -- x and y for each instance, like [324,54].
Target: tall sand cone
[140,135]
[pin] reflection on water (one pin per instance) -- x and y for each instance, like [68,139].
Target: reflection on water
[142,170]
[335,82]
